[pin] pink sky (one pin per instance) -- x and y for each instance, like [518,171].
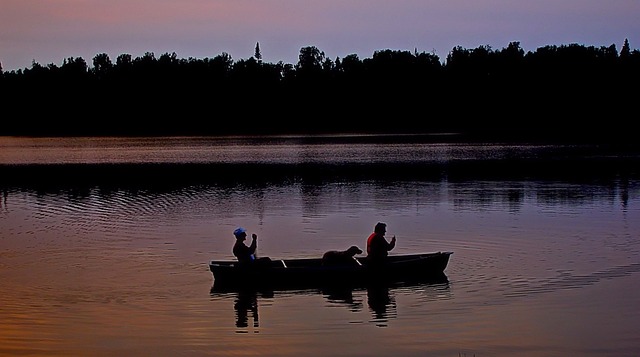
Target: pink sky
[48,31]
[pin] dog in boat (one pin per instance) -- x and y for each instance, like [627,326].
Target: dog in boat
[341,257]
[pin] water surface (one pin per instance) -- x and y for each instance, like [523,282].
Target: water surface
[543,265]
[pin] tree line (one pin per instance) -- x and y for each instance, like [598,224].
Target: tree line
[568,91]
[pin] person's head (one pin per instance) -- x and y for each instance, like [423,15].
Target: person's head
[240,233]
[380,228]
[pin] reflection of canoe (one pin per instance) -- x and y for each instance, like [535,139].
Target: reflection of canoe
[378,296]
[309,272]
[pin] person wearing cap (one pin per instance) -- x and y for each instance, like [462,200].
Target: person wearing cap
[243,252]
[377,246]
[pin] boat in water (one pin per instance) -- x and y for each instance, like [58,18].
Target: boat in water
[313,272]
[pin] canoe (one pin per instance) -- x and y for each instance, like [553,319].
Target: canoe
[309,272]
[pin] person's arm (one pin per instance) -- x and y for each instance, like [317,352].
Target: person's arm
[392,244]
[254,244]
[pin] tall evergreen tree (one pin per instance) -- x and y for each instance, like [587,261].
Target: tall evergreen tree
[257,54]
[626,49]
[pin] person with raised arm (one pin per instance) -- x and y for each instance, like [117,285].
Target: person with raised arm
[377,246]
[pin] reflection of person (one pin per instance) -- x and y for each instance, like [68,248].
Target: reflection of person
[246,302]
[381,303]
[377,246]
[244,253]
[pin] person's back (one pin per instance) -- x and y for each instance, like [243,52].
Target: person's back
[376,247]
[242,252]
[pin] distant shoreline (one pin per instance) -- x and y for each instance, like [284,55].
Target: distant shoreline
[567,93]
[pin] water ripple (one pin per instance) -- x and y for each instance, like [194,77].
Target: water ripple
[566,280]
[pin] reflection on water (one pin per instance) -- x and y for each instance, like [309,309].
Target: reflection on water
[112,260]
[246,306]
[254,150]
[379,297]
[381,303]
[342,295]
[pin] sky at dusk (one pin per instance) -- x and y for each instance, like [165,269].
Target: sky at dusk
[48,31]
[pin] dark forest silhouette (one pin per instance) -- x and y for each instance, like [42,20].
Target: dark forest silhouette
[566,92]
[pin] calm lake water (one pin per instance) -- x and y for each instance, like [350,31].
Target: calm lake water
[104,246]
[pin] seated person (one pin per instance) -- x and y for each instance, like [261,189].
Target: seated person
[244,253]
[377,246]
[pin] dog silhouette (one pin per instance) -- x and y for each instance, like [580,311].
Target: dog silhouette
[341,257]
